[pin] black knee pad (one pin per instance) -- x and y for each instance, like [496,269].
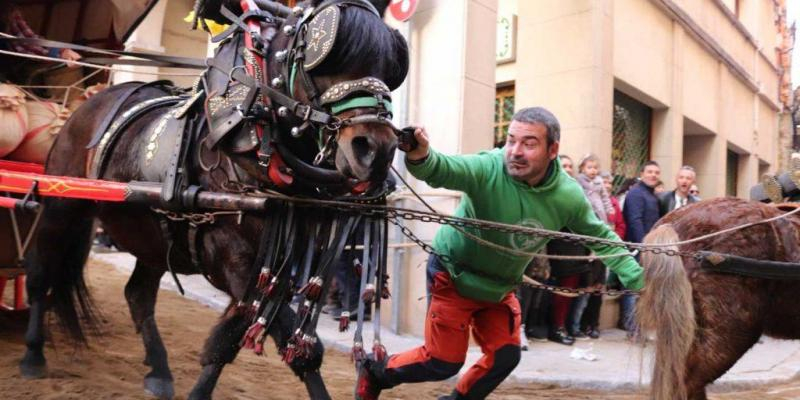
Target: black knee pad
[507,357]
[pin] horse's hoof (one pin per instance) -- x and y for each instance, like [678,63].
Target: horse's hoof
[33,367]
[159,388]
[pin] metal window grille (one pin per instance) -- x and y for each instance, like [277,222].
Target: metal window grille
[630,138]
[503,112]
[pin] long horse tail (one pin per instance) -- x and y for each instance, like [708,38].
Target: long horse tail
[666,307]
[61,252]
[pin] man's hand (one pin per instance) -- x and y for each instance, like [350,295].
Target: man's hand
[421,151]
[69,55]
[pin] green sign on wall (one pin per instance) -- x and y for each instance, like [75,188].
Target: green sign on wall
[506,38]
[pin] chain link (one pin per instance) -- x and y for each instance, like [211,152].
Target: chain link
[196,219]
[396,213]
[559,290]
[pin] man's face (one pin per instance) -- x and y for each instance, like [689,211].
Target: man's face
[651,175]
[566,165]
[684,181]
[526,151]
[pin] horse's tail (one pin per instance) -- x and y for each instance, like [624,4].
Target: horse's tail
[666,307]
[62,249]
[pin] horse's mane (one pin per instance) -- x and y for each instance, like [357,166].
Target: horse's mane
[381,49]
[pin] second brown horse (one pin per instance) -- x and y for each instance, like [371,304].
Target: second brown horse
[705,321]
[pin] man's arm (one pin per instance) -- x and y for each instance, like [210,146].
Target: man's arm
[459,172]
[585,222]
[634,216]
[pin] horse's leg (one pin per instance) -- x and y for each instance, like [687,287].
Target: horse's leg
[140,292]
[221,348]
[725,331]
[33,364]
[55,265]
[306,368]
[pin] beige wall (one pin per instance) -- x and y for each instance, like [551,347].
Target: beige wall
[451,92]
[683,58]
[163,31]
[564,63]
[178,39]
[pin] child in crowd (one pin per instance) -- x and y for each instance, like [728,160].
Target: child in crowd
[589,178]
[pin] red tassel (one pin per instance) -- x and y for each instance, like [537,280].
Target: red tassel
[270,290]
[249,341]
[358,355]
[344,321]
[313,289]
[369,293]
[263,278]
[289,354]
[305,345]
[378,351]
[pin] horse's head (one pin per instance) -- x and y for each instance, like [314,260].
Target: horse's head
[340,58]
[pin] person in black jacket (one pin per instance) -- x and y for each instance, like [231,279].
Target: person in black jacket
[681,196]
[641,211]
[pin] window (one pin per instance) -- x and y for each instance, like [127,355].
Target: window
[503,112]
[731,173]
[630,137]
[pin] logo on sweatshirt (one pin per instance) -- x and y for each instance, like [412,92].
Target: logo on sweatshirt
[526,242]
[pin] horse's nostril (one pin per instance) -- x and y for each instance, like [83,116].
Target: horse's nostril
[363,149]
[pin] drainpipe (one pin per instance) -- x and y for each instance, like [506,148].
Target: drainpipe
[399,252]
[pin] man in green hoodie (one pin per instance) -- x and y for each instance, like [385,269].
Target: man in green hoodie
[473,286]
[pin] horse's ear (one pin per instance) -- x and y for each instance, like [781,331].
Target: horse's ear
[397,75]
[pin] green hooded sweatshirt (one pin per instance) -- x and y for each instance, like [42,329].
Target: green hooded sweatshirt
[483,273]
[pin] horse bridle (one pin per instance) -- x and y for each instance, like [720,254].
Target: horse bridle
[321,111]
[305,53]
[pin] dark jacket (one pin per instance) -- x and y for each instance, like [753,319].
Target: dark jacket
[641,212]
[563,268]
[666,202]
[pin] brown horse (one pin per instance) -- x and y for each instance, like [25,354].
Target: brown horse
[227,252]
[705,321]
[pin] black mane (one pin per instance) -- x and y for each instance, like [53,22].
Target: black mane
[367,46]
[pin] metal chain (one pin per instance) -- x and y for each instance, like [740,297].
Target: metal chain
[196,219]
[429,217]
[559,290]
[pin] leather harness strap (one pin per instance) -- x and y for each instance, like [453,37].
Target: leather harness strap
[120,99]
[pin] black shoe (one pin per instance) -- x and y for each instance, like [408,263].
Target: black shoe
[580,336]
[560,336]
[593,333]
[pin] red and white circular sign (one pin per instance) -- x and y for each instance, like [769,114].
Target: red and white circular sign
[402,10]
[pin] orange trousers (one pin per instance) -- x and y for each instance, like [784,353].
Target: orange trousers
[450,319]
